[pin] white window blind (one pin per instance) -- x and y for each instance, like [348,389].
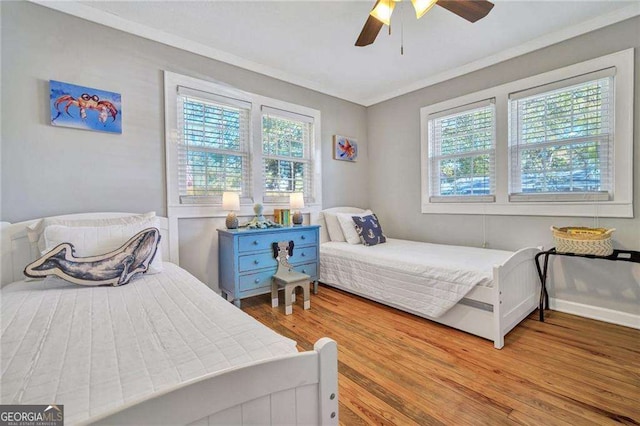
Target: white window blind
[213,146]
[561,140]
[287,152]
[462,145]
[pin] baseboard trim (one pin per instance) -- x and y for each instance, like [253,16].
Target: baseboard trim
[595,312]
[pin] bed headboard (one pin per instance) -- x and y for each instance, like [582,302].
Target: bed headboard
[324,235]
[17,251]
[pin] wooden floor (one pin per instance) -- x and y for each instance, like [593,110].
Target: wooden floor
[396,368]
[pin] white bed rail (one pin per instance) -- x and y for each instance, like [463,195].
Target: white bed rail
[298,389]
[516,287]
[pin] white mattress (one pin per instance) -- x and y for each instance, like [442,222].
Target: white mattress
[422,277]
[94,349]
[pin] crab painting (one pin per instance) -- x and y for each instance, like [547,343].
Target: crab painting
[85,108]
[85,102]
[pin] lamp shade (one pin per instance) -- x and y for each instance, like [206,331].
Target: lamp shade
[296,200]
[382,11]
[422,6]
[230,201]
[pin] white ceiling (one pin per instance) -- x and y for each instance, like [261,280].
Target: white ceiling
[312,43]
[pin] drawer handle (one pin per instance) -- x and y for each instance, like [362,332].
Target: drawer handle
[302,237]
[303,255]
[256,261]
[257,280]
[255,242]
[304,271]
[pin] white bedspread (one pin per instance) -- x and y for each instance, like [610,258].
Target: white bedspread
[426,278]
[94,349]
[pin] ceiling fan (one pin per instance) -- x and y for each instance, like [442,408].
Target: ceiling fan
[471,10]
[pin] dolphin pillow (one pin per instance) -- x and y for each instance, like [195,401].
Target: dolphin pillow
[115,268]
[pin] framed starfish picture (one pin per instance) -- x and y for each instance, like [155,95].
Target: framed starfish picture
[345,148]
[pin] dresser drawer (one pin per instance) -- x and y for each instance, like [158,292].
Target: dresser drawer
[303,254]
[258,242]
[310,269]
[251,282]
[254,281]
[252,262]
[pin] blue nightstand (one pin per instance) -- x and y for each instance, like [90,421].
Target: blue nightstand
[246,262]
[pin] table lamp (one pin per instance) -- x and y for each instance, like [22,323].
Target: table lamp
[231,202]
[296,202]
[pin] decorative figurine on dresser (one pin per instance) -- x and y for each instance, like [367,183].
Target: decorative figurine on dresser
[260,222]
[246,262]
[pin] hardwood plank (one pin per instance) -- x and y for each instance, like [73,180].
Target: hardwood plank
[396,368]
[482,387]
[370,409]
[375,360]
[348,417]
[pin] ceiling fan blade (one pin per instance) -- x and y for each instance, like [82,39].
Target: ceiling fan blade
[471,10]
[369,31]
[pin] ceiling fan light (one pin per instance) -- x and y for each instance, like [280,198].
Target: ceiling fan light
[422,6]
[382,11]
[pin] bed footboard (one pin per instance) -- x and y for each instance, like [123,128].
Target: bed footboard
[516,290]
[296,389]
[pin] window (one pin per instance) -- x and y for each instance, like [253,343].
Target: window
[219,138]
[462,153]
[561,141]
[287,150]
[554,144]
[213,146]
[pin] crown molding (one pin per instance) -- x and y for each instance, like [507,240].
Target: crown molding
[113,21]
[110,20]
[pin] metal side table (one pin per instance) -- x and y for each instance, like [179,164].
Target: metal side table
[622,255]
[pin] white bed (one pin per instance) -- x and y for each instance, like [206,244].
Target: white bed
[480,291]
[164,349]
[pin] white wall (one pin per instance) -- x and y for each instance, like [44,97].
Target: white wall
[50,170]
[394,158]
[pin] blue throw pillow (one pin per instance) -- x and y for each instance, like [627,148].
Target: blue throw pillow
[369,230]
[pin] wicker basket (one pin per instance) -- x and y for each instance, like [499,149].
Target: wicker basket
[579,240]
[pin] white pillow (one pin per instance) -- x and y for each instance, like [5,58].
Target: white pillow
[348,227]
[97,240]
[35,232]
[333,227]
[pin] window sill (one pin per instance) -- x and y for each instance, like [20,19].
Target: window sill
[212,210]
[583,197]
[210,201]
[570,209]
[462,199]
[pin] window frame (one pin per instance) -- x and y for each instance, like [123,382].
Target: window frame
[433,157]
[621,202]
[175,208]
[243,151]
[515,147]
[306,159]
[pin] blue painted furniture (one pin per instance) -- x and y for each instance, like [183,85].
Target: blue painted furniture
[246,262]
